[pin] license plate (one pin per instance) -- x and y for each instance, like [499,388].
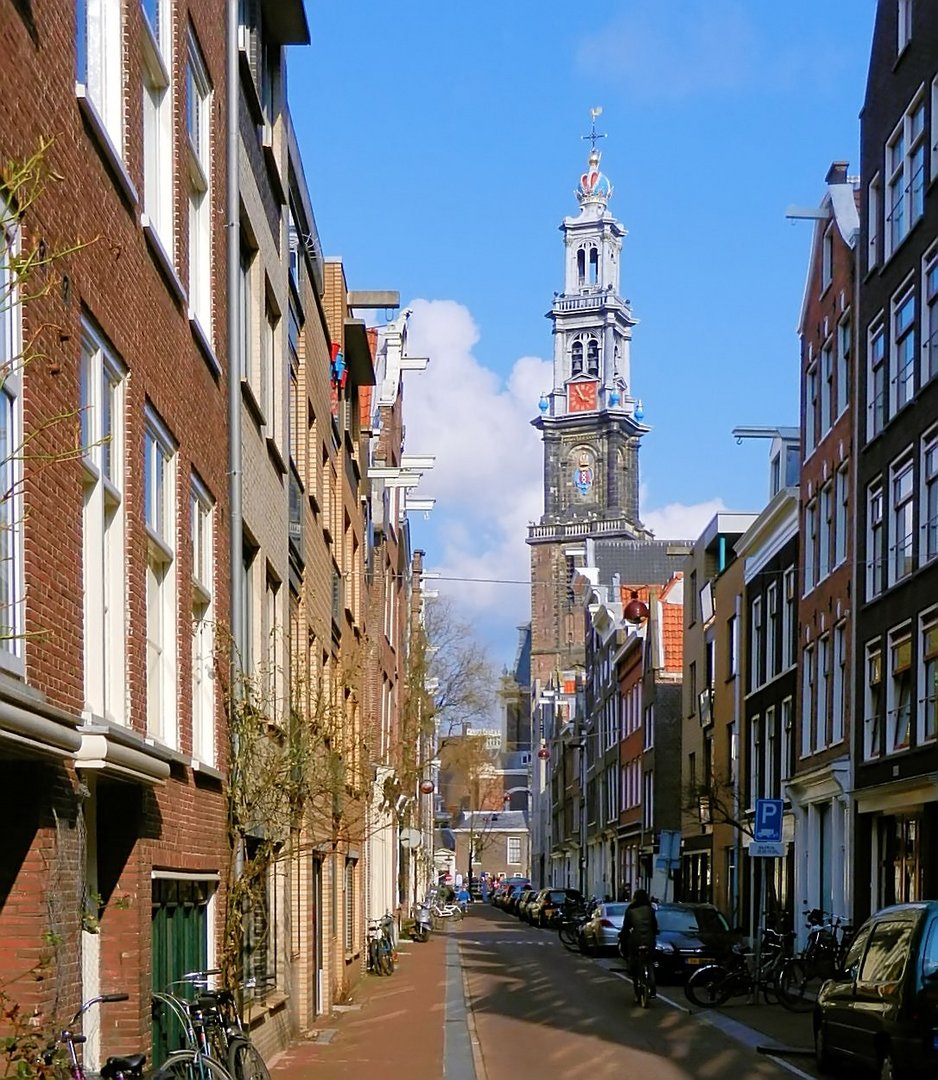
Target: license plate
[695,961]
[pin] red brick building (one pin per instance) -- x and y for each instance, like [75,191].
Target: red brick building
[112,730]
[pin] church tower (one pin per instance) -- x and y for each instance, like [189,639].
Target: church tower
[590,421]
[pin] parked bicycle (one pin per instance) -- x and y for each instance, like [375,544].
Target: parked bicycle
[381,946]
[127,1067]
[739,975]
[572,918]
[801,977]
[213,1033]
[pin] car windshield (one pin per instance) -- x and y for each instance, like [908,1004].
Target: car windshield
[557,896]
[615,911]
[691,921]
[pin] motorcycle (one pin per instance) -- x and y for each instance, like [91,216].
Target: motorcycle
[423,923]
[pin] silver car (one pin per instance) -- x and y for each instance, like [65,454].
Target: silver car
[600,933]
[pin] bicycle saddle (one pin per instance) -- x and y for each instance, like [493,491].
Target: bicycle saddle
[114,1066]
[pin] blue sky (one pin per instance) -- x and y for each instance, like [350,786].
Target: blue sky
[442,146]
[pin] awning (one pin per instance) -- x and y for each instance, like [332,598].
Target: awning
[33,733]
[906,795]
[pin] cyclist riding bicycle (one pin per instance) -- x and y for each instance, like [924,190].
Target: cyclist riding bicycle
[639,929]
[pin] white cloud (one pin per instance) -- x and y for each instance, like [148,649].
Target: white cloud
[487,476]
[677,521]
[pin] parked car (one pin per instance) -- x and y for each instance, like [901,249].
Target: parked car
[600,932]
[523,904]
[689,935]
[512,895]
[545,909]
[882,1008]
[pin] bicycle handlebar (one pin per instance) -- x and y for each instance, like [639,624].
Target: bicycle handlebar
[107,998]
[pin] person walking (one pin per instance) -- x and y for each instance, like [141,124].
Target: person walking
[639,928]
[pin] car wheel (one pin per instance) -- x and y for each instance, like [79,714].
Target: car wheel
[585,947]
[822,1054]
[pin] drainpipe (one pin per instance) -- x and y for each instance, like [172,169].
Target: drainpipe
[233,225]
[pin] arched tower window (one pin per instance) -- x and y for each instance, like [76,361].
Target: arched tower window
[594,266]
[576,364]
[592,357]
[581,267]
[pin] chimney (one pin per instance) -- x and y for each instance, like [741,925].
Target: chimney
[837,173]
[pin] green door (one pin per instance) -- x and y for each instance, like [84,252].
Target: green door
[180,945]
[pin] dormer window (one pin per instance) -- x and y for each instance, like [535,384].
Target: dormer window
[592,357]
[576,358]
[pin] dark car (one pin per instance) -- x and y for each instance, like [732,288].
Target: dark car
[689,935]
[545,909]
[882,1008]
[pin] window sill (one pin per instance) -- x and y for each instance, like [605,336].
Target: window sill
[273,168]
[257,1012]
[162,258]
[254,406]
[204,343]
[204,769]
[112,157]
[276,456]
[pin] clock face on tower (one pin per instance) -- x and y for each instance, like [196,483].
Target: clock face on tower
[581,396]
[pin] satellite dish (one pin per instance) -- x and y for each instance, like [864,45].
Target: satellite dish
[410,838]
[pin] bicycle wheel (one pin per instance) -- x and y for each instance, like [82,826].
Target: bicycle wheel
[245,1061]
[386,959]
[708,987]
[798,985]
[374,958]
[643,989]
[190,1065]
[569,936]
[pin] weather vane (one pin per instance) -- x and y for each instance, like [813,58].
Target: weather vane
[594,134]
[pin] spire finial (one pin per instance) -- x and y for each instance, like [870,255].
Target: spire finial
[595,112]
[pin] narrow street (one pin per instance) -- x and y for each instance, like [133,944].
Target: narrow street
[537,1008]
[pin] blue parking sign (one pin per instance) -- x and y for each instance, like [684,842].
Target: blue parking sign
[769,819]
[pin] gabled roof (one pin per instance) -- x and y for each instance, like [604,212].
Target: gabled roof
[840,202]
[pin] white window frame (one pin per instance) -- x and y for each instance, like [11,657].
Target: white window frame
[788,618]
[160,461]
[158,107]
[876,379]
[872,701]
[823,680]
[103,379]
[787,724]
[901,518]
[807,699]
[811,409]
[875,539]
[873,220]
[825,530]
[905,174]
[827,257]
[903,25]
[756,762]
[926,722]
[839,688]
[648,799]
[930,309]
[827,409]
[844,353]
[756,646]
[841,513]
[12,538]
[99,75]
[199,139]
[771,630]
[899,691]
[202,539]
[810,546]
[770,751]
[513,850]
[903,350]
[928,513]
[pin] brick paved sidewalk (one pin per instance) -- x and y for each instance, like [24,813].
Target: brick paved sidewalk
[397,1034]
